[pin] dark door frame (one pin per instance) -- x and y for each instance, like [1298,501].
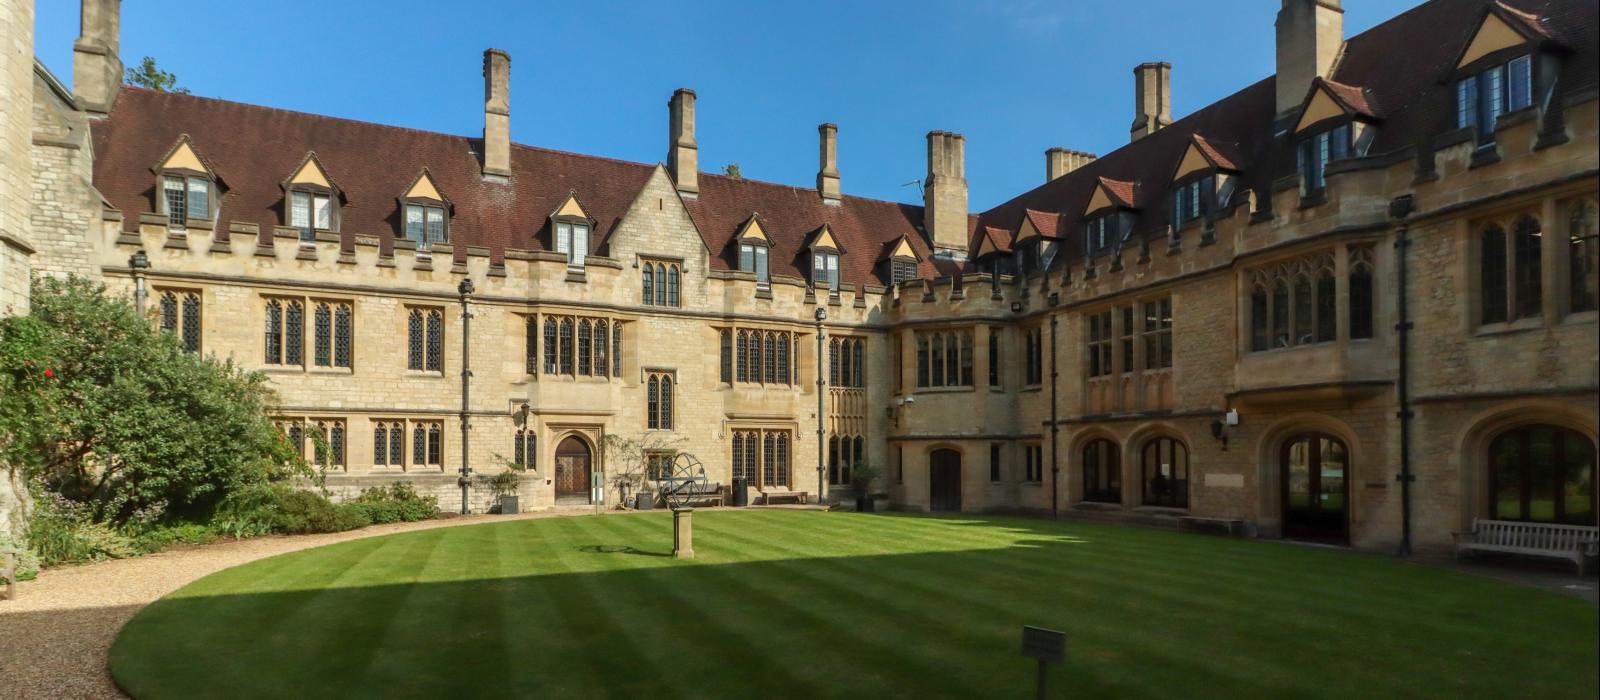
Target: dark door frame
[941,479]
[1314,473]
[585,489]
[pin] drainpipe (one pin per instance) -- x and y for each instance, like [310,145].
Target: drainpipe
[465,289]
[1055,426]
[822,374]
[1399,209]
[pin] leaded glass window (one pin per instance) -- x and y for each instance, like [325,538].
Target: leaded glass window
[566,346]
[322,341]
[294,327]
[435,350]
[550,346]
[274,332]
[1527,269]
[602,342]
[414,340]
[585,347]
[616,349]
[1493,291]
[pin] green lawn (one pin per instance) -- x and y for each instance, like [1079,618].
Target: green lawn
[802,603]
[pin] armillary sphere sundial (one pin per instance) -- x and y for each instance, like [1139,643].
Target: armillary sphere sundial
[683,482]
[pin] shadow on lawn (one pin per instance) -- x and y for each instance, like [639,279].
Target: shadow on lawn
[1148,616]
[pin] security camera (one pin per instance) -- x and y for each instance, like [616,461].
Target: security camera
[911,399]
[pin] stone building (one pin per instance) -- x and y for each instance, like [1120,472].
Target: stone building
[1323,307]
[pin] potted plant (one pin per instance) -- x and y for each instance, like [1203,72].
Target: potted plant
[504,486]
[861,478]
[629,465]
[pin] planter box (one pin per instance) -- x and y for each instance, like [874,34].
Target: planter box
[509,506]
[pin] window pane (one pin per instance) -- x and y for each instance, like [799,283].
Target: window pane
[1280,314]
[435,224]
[1361,302]
[177,202]
[322,335]
[414,225]
[1492,274]
[761,264]
[199,198]
[1466,102]
[1521,79]
[747,257]
[300,213]
[1583,234]
[1528,267]
[1259,332]
[563,238]
[341,335]
[585,348]
[414,334]
[191,322]
[435,341]
[580,244]
[324,208]
[294,326]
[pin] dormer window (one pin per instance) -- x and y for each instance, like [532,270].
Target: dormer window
[185,197]
[1316,151]
[902,270]
[1483,96]
[310,212]
[425,224]
[1193,199]
[825,271]
[753,258]
[572,238]
[1101,232]
[427,213]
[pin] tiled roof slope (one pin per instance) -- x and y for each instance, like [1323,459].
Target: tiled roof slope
[791,215]
[254,149]
[1401,64]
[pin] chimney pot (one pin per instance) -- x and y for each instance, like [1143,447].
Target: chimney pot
[96,57]
[1060,161]
[1152,98]
[1310,35]
[496,114]
[828,173]
[683,154]
[944,194]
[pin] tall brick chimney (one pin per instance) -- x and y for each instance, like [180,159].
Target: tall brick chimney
[828,172]
[1060,161]
[683,154]
[1152,98]
[496,114]
[944,194]
[96,63]
[1310,35]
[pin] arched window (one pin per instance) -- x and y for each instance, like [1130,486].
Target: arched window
[616,349]
[1165,464]
[833,460]
[922,360]
[666,403]
[1361,311]
[1102,472]
[1327,306]
[782,459]
[1542,473]
[966,360]
[294,325]
[952,359]
[652,403]
[744,356]
[672,285]
[1583,235]
[938,360]
[585,348]
[1259,330]
[649,292]
[1280,314]
[1528,266]
[770,358]
[833,362]
[741,468]
[769,455]
[1492,274]
[783,360]
[566,346]
[274,348]
[601,343]
[860,349]
[550,345]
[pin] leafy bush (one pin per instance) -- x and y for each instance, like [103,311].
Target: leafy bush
[112,413]
[280,508]
[159,537]
[396,503]
[27,561]
[63,532]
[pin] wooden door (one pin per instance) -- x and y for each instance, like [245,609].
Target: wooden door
[944,481]
[572,471]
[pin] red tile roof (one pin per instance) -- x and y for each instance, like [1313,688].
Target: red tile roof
[1350,97]
[1120,192]
[1043,222]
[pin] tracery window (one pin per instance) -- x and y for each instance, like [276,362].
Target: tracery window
[1100,344]
[763,455]
[319,441]
[944,358]
[1361,293]
[577,346]
[525,449]
[389,444]
[658,402]
[661,282]
[180,315]
[1165,464]
[758,357]
[425,339]
[1033,363]
[1583,250]
[1102,472]
[1158,334]
[1302,307]
[844,453]
[1510,274]
[1542,473]
[185,197]
[845,358]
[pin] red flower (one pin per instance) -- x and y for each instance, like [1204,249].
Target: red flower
[48,374]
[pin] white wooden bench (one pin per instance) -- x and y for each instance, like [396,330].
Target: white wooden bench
[1571,542]
[798,496]
[1191,523]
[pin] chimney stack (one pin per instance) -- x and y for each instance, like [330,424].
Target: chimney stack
[1310,35]
[828,175]
[683,155]
[944,194]
[496,114]
[96,62]
[1060,161]
[1152,98]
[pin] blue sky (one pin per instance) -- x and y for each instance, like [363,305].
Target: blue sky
[594,77]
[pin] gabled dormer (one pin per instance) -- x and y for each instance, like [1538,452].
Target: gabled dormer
[994,251]
[754,250]
[311,200]
[570,228]
[1203,181]
[1509,63]
[825,253]
[1336,121]
[188,191]
[1036,239]
[899,261]
[1108,217]
[425,213]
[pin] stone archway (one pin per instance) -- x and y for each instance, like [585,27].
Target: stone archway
[944,481]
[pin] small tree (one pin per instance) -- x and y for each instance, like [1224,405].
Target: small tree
[147,74]
[732,170]
[110,412]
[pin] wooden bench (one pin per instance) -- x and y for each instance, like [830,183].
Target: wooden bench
[798,496]
[1189,523]
[708,494]
[1571,542]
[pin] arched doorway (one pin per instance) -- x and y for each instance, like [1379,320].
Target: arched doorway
[572,471]
[1315,487]
[1102,472]
[944,481]
[1542,473]
[1164,463]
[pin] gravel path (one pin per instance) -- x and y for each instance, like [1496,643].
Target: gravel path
[54,639]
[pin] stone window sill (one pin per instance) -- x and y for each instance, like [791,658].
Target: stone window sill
[425,374]
[1520,325]
[943,389]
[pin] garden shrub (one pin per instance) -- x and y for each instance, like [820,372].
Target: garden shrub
[63,532]
[283,509]
[27,561]
[396,503]
[158,537]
